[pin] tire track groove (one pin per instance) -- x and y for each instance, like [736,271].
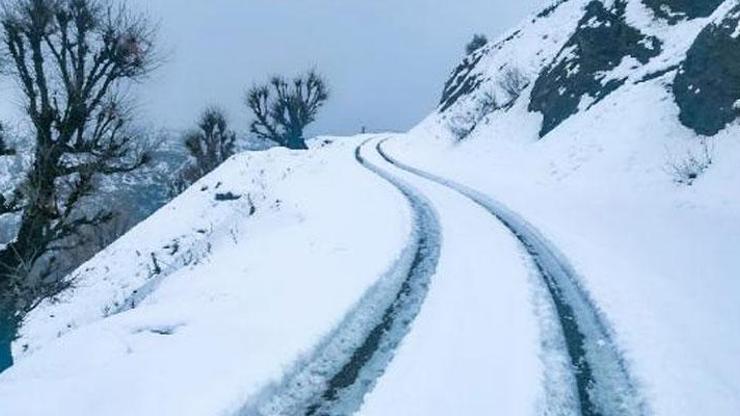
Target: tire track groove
[340,372]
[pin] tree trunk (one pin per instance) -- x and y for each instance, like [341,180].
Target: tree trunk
[297,143]
[6,357]
[8,329]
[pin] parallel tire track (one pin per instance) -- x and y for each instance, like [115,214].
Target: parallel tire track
[346,366]
[603,383]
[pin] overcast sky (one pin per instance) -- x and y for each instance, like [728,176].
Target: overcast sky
[385,60]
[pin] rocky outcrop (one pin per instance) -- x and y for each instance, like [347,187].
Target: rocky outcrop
[676,10]
[547,11]
[707,86]
[600,43]
[462,81]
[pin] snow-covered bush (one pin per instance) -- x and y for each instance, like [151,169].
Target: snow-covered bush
[687,169]
[512,81]
[462,124]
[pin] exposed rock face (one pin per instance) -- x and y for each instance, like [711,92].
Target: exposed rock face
[601,41]
[677,10]
[547,11]
[466,78]
[707,86]
[462,81]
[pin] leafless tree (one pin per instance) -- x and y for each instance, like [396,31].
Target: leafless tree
[209,146]
[212,143]
[283,109]
[71,60]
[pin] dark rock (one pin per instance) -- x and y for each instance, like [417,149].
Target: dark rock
[600,42]
[676,10]
[228,196]
[462,81]
[707,86]
[547,11]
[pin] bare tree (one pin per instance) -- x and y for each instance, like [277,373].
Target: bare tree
[283,109]
[212,143]
[71,60]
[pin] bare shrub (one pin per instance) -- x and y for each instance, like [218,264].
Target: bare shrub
[512,81]
[461,125]
[686,170]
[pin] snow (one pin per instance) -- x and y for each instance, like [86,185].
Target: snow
[478,324]
[222,329]
[659,259]
[228,302]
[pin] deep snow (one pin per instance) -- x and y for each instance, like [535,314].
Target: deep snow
[209,307]
[217,331]
[658,258]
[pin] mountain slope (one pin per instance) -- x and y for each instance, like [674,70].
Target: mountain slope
[583,219]
[626,158]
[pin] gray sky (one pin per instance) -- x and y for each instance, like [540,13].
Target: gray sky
[385,60]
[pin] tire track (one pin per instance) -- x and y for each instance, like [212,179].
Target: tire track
[346,366]
[603,385]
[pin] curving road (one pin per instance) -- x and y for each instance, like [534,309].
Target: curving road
[344,368]
[602,381]
[341,373]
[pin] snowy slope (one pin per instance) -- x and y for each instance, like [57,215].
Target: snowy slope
[659,258]
[569,195]
[232,309]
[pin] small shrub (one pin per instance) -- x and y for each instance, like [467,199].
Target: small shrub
[688,169]
[476,43]
[512,81]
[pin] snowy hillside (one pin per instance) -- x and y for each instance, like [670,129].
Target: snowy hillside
[561,237]
[622,147]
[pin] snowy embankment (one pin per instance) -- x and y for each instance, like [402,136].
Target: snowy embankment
[245,294]
[335,378]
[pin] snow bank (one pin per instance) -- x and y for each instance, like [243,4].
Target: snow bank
[265,290]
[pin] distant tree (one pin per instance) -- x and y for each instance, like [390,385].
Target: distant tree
[71,59]
[212,143]
[476,43]
[209,146]
[283,109]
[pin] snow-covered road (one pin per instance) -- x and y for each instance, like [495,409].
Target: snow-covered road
[502,324]
[415,296]
[603,385]
[340,372]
